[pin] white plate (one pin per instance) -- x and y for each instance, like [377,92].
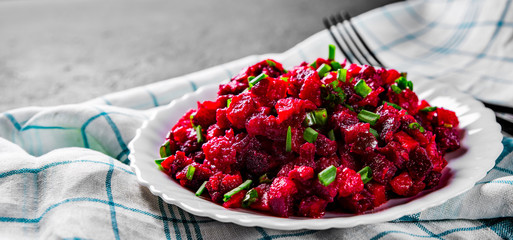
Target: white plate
[481,145]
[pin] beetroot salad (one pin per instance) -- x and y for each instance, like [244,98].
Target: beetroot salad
[325,136]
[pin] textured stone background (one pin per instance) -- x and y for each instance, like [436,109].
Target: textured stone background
[68,51]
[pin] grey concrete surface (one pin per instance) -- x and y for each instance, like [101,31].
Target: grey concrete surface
[67,51]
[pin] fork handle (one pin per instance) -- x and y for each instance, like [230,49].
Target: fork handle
[498,108]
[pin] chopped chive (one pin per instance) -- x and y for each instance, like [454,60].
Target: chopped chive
[404,75]
[234,191]
[331,54]
[310,135]
[409,84]
[285,71]
[165,150]
[331,135]
[362,88]
[228,102]
[255,80]
[323,69]
[396,89]
[334,84]
[159,163]
[190,172]
[285,79]
[393,105]
[191,117]
[288,143]
[416,125]
[448,125]
[321,116]
[309,119]
[374,132]
[366,174]
[314,64]
[348,107]
[199,136]
[341,96]
[428,109]
[401,83]
[250,197]
[270,63]
[335,65]
[368,117]
[342,74]
[328,175]
[201,189]
[264,179]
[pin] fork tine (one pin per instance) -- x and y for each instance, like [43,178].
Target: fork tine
[355,49]
[351,57]
[328,25]
[348,18]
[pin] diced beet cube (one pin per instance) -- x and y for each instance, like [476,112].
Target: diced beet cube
[176,163]
[379,193]
[281,196]
[396,153]
[448,139]
[312,206]
[432,179]
[301,173]
[289,107]
[382,169]
[257,162]
[220,151]
[358,202]
[365,142]
[222,120]
[419,164]
[351,132]
[324,146]
[349,182]
[262,202]
[447,118]
[401,184]
[241,107]
[405,140]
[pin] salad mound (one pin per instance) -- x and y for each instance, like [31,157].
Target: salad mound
[325,136]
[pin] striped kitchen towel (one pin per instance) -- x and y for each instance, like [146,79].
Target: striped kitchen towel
[64,170]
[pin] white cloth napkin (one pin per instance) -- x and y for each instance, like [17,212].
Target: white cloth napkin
[64,172]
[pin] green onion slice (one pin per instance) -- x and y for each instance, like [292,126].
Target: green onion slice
[199,136]
[314,64]
[264,179]
[393,105]
[165,150]
[323,69]
[285,79]
[234,191]
[310,135]
[309,119]
[396,89]
[331,54]
[201,189]
[228,102]
[374,132]
[368,117]
[191,117]
[321,116]
[366,174]
[335,65]
[331,135]
[255,80]
[190,172]
[416,125]
[342,74]
[270,63]
[288,143]
[159,163]
[362,88]
[328,175]
[428,109]
[250,197]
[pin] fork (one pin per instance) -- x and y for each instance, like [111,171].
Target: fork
[355,50]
